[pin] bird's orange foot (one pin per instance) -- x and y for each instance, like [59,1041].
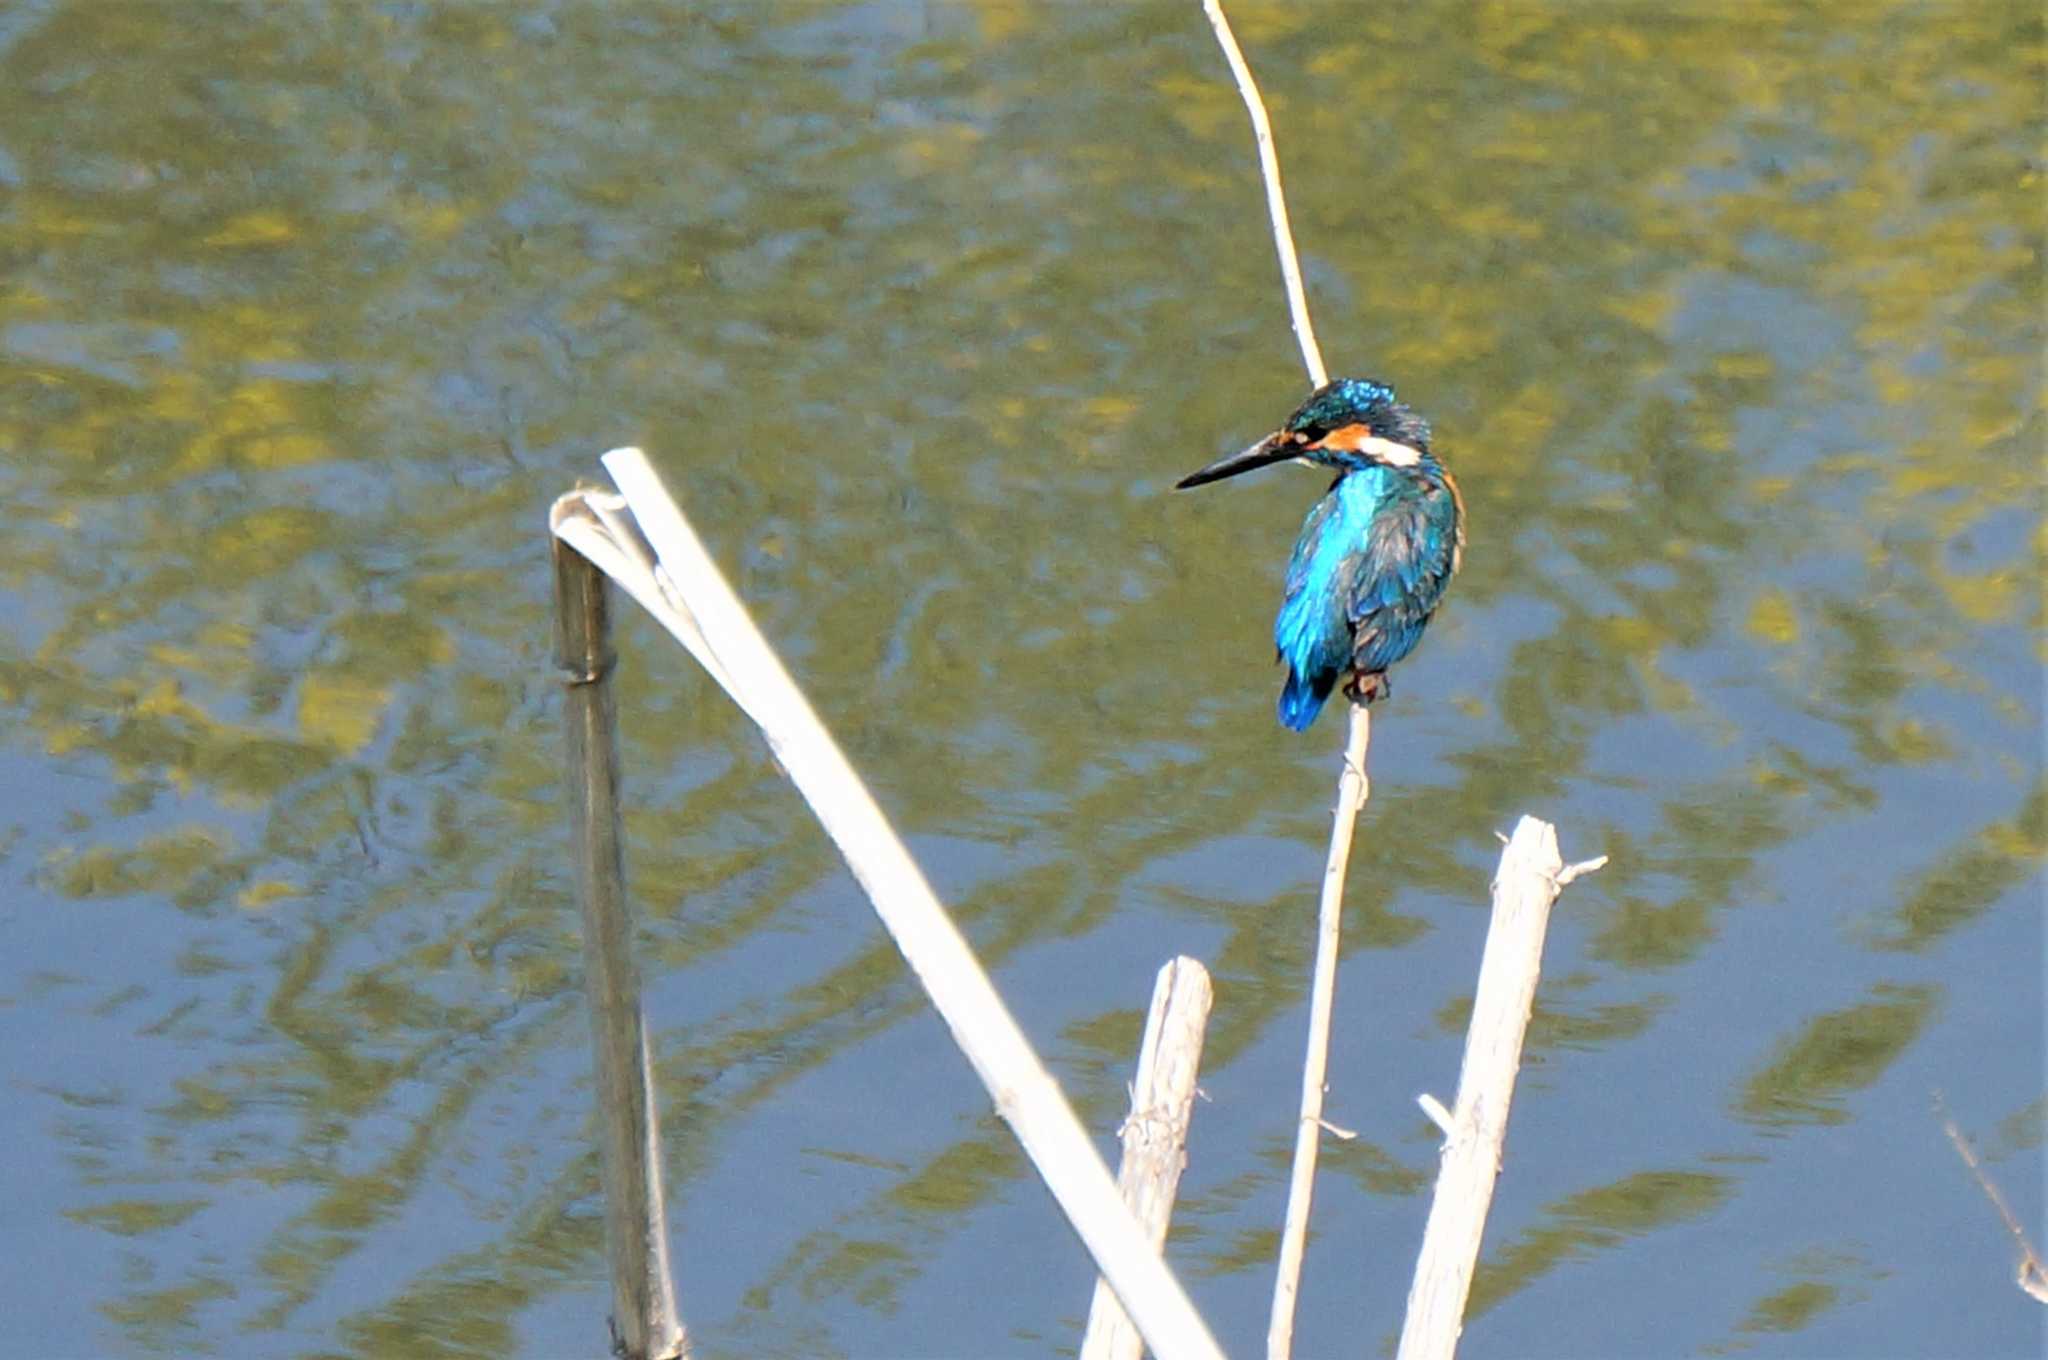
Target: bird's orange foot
[1367,687]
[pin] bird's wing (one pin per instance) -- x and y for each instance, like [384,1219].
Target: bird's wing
[1311,632]
[1306,545]
[1410,552]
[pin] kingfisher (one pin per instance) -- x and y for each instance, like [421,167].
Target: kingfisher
[1376,552]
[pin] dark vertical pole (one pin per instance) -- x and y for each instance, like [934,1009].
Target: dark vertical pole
[644,1319]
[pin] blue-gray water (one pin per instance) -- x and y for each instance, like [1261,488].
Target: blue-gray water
[1729,319]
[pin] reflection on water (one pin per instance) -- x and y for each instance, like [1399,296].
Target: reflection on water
[1729,324]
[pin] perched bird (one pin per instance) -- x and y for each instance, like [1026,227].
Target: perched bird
[1376,552]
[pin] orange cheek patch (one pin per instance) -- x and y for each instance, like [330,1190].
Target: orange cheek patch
[1344,439]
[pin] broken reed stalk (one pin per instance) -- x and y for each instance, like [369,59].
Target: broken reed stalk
[661,562]
[644,1319]
[1155,1134]
[1530,876]
[1352,786]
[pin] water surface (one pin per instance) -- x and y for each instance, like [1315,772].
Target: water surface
[1729,322]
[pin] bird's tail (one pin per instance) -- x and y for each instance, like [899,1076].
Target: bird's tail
[1302,699]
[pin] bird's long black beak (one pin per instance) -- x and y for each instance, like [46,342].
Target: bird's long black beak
[1272,449]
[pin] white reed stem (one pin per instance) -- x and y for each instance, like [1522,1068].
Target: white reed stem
[1352,791]
[1276,199]
[1352,787]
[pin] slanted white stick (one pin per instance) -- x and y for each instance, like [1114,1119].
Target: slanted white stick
[1023,1091]
[1530,876]
[1155,1134]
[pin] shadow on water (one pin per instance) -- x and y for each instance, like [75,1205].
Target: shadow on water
[1729,324]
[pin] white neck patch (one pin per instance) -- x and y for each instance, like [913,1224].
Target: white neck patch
[1389,452]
